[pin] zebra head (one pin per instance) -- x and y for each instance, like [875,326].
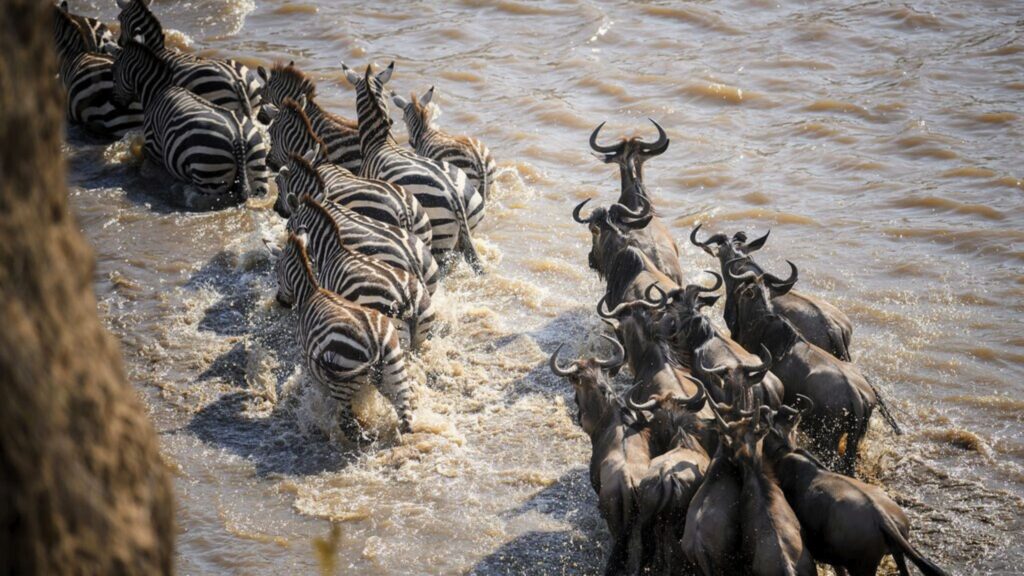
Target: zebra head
[291,132]
[297,179]
[419,114]
[371,102]
[285,81]
[136,18]
[296,274]
[68,34]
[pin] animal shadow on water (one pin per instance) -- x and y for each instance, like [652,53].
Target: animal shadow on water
[275,443]
[579,550]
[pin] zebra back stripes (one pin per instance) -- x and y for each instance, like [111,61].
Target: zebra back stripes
[98,36]
[365,281]
[389,244]
[345,345]
[89,82]
[219,152]
[469,154]
[218,81]
[340,135]
[376,199]
[453,205]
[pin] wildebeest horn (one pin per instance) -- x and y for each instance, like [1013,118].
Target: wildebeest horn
[576,212]
[748,275]
[556,369]
[757,373]
[597,147]
[616,360]
[783,286]
[603,312]
[718,282]
[660,145]
[763,416]
[638,218]
[692,400]
[651,403]
[715,239]
[804,399]
[756,244]
[662,299]
[718,370]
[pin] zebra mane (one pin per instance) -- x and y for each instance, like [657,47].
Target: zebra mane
[68,20]
[299,161]
[318,209]
[292,105]
[307,262]
[306,84]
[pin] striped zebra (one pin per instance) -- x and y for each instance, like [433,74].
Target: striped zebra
[219,152]
[344,345]
[292,134]
[469,154]
[89,82]
[224,83]
[388,244]
[339,134]
[98,36]
[368,282]
[454,206]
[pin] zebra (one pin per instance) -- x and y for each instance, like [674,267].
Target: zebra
[339,134]
[98,36]
[369,282]
[291,133]
[389,244]
[218,151]
[224,83]
[89,82]
[454,206]
[469,154]
[343,344]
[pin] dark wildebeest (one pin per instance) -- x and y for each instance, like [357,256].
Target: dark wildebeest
[821,323]
[843,399]
[712,356]
[672,479]
[654,240]
[615,254]
[772,543]
[620,453]
[847,523]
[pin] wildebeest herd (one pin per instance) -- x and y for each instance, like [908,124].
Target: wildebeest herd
[368,220]
[699,466]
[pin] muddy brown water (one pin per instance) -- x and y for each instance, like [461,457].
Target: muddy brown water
[879,141]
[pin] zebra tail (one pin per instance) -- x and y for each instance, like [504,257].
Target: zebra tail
[240,187]
[884,408]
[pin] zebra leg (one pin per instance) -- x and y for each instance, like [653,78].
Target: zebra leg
[343,393]
[394,383]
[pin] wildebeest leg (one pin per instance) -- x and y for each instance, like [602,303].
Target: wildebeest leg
[901,563]
[619,558]
[840,571]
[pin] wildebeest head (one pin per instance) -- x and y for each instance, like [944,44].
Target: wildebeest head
[682,323]
[609,228]
[753,291]
[786,421]
[630,154]
[589,379]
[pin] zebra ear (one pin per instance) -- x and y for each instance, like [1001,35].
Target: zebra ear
[124,4]
[262,73]
[275,252]
[427,97]
[293,202]
[312,154]
[350,75]
[302,102]
[385,74]
[64,5]
[270,110]
[399,101]
[139,38]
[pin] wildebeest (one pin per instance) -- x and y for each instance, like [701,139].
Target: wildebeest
[620,453]
[770,534]
[615,255]
[711,355]
[821,323]
[847,523]
[843,399]
[654,240]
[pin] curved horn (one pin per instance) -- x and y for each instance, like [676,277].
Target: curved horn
[616,360]
[558,370]
[804,399]
[778,284]
[748,275]
[662,299]
[597,147]
[576,212]
[716,371]
[718,282]
[660,145]
[651,403]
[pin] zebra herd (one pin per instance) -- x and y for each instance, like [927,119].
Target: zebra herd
[372,226]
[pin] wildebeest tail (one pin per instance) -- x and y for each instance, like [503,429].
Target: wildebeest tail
[884,408]
[900,546]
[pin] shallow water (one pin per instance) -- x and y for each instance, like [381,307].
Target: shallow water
[879,141]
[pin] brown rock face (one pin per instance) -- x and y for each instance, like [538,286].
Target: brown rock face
[83,489]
